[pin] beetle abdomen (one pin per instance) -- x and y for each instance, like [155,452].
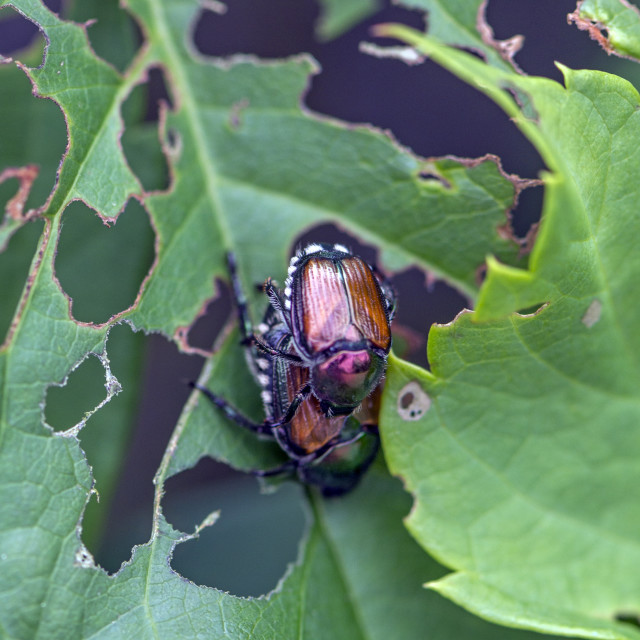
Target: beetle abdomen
[309,429]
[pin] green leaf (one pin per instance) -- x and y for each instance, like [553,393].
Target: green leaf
[248,157]
[462,23]
[523,445]
[339,16]
[89,91]
[33,141]
[44,479]
[614,24]
[250,169]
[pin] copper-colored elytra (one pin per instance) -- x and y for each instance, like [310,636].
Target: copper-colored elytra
[325,307]
[340,301]
[309,429]
[367,311]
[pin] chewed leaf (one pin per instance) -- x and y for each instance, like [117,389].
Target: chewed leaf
[15,215]
[246,158]
[463,24]
[89,92]
[249,170]
[613,24]
[525,467]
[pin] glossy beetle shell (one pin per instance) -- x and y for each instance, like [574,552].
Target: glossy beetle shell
[339,318]
[335,298]
[310,429]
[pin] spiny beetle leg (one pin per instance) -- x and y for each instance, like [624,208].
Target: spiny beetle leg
[231,412]
[246,328]
[248,338]
[299,398]
[287,467]
[276,353]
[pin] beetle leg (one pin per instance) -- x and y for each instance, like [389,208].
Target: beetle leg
[232,413]
[246,328]
[276,301]
[286,467]
[276,353]
[299,398]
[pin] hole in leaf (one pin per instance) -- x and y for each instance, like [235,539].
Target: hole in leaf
[159,398]
[628,617]
[53,5]
[113,34]
[247,550]
[527,211]
[66,406]
[274,29]
[528,311]
[204,331]
[14,269]
[107,434]
[420,305]
[32,131]
[332,234]
[457,119]
[548,36]
[140,139]
[16,33]
[101,268]
[157,92]
[173,140]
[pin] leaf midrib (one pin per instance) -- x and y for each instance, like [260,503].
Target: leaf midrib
[180,77]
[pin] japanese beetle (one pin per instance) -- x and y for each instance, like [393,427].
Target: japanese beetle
[319,357]
[338,311]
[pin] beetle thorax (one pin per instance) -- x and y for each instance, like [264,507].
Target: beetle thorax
[345,379]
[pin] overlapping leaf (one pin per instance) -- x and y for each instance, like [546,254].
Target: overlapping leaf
[525,464]
[463,23]
[615,24]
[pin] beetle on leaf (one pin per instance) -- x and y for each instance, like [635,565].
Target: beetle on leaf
[319,356]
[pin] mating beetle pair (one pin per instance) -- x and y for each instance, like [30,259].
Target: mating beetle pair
[319,357]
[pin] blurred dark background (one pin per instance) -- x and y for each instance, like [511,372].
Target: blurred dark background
[425,109]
